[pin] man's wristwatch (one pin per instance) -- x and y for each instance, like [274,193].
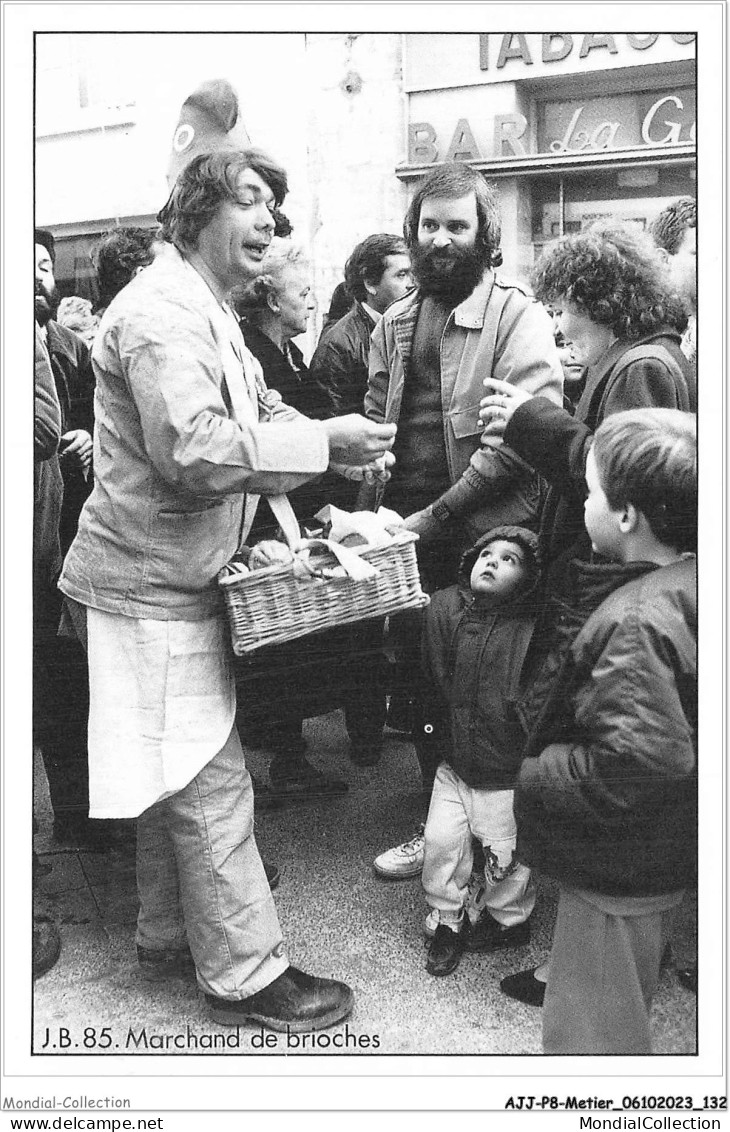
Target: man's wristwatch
[441,511]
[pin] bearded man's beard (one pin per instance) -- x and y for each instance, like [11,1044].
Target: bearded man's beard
[46,304]
[451,273]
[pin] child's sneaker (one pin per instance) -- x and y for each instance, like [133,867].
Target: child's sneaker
[404,860]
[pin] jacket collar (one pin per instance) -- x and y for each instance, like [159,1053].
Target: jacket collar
[171,263]
[470,313]
[622,346]
[371,316]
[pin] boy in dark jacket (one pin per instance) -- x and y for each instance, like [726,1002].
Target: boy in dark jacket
[608,805]
[476,635]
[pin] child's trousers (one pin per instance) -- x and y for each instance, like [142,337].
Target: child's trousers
[457,812]
[604,970]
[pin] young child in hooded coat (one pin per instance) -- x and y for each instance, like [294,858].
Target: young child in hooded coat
[476,634]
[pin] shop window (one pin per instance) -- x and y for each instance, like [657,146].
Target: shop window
[74,268]
[565,203]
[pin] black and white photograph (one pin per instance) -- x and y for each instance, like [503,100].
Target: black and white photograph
[353,736]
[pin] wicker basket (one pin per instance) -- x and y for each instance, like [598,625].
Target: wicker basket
[270,606]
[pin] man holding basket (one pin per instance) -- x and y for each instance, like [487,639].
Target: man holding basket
[187,438]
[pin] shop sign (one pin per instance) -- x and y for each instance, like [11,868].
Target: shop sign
[587,125]
[554,47]
[441,61]
[616,123]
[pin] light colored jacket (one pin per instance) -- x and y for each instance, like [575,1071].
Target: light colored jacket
[498,331]
[186,437]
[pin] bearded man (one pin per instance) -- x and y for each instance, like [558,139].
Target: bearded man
[74,379]
[60,681]
[429,356]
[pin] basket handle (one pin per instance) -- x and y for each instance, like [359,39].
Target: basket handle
[354,566]
[287,520]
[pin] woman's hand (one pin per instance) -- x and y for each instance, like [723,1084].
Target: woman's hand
[354,440]
[496,409]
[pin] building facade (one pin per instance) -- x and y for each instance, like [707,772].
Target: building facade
[569,127]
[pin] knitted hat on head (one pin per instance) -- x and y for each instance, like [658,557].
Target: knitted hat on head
[46,240]
[209,122]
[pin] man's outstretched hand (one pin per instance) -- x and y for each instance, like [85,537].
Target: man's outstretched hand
[356,441]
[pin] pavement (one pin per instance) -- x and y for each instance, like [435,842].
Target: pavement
[339,919]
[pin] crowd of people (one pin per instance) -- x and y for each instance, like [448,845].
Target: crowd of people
[541,443]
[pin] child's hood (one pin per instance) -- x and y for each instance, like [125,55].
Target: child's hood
[525,538]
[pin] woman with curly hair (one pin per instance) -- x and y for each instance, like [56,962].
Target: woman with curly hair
[623,321]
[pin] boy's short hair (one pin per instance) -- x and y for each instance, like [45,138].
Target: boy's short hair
[648,457]
[669,227]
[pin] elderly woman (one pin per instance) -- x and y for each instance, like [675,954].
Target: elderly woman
[623,323]
[294,682]
[274,309]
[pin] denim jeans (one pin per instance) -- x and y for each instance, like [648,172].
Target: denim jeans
[200,879]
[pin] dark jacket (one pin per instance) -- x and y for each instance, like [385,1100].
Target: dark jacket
[293,381]
[562,618]
[609,804]
[47,481]
[339,305]
[556,444]
[473,657]
[74,378]
[297,389]
[340,363]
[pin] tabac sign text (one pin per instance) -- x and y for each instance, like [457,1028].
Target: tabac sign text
[497,51]
[442,62]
